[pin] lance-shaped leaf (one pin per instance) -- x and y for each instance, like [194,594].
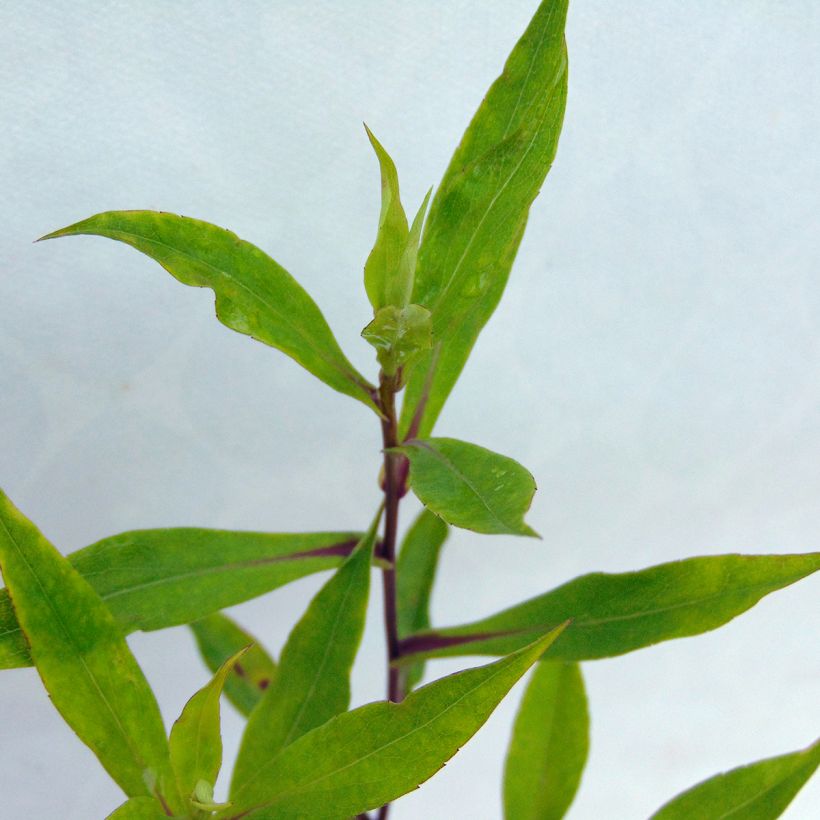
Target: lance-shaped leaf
[254,295]
[86,666]
[139,808]
[479,212]
[365,758]
[415,573]
[615,614]
[153,579]
[381,271]
[218,638]
[312,682]
[549,744]
[196,737]
[759,791]
[469,486]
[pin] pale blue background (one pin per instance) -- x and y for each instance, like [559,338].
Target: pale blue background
[654,363]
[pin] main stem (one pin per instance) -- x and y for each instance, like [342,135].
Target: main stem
[393,490]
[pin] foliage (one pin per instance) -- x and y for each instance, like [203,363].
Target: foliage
[433,283]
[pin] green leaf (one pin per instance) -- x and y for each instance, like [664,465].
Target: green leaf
[153,579]
[400,336]
[409,259]
[254,295]
[469,486]
[312,683]
[218,638]
[615,614]
[759,791]
[415,573]
[479,212]
[383,266]
[365,758]
[83,660]
[196,738]
[139,808]
[549,744]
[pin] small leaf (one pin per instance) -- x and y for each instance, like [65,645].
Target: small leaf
[409,258]
[615,614]
[549,744]
[254,295]
[469,486]
[312,683]
[399,335]
[759,791]
[196,738]
[365,758]
[415,573]
[383,266]
[139,808]
[153,579]
[83,660]
[480,209]
[218,638]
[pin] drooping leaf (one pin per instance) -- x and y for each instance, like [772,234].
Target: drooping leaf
[383,266]
[469,486]
[196,736]
[86,666]
[415,573]
[615,614]
[218,638]
[312,682]
[400,336]
[153,579]
[139,808]
[549,744]
[369,756]
[254,295]
[759,791]
[479,212]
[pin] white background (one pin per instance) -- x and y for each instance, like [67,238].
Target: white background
[654,361]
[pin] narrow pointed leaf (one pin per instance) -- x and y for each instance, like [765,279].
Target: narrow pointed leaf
[365,758]
[381,271]
[759,791]
[469,486]
[415,574]
[615,614]
[139,808]
[479,212]
[153,579]
[254,295]
[218,638]
[196,737]
[549,744]
[409,258]
[86,666]
[312,682]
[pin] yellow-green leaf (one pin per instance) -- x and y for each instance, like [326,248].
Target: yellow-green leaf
[312,682]
[369,756]
[549,744]
[139,808]
[218,638]
[759,791]
[470,486]
[479,212]
[196,738]
[153,579]
[415,573]
[614,614]
[254,295]
[86,666]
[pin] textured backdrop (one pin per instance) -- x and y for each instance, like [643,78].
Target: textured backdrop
[654,362]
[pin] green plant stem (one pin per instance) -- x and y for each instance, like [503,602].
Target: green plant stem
[392,496]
